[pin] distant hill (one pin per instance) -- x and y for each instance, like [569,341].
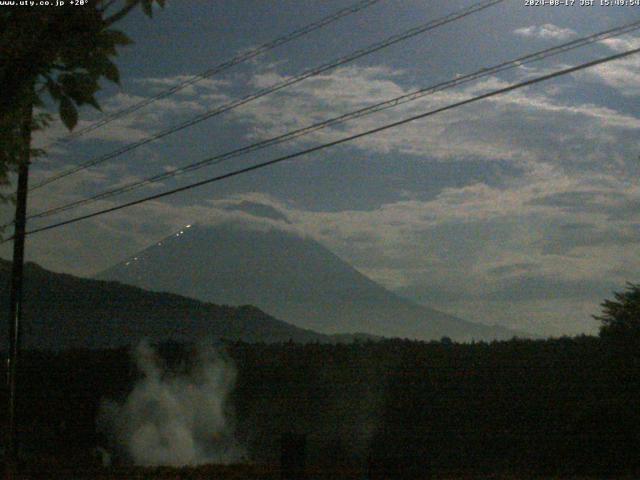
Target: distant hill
[291,277]
[64,311]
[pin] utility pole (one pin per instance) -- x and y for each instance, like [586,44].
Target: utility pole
[15,299]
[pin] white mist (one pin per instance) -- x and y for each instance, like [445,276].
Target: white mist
[177,419]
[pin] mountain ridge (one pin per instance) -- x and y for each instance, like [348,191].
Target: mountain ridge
[64,311]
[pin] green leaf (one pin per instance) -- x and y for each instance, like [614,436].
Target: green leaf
[68,113]
[111,72]
[147,7]
[116,37]
[80,87]
[40,120]
[37,152]
[94,103]
[54,89]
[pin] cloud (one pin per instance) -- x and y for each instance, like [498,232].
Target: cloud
[197,85]
[622,44]
[512,269]
[528,287]
[158,115]
[520,127]
[259,210]
[609,203]
[548,31]
[581,236]
[622,75]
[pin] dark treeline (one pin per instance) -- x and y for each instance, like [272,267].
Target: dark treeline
[564,406]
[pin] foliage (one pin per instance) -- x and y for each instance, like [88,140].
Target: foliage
[59,54]
[621,317]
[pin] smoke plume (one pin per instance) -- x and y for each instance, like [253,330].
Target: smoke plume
[176,418]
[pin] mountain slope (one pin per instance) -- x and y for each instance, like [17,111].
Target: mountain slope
[63,311]
[288,276]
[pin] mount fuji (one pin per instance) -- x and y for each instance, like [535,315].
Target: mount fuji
[293,278]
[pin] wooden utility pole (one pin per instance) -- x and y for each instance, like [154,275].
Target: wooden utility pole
[15,299]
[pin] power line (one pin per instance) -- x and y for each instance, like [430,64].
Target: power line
[258,166]
[402,99]
[248,98]
[243,57]
[274,88]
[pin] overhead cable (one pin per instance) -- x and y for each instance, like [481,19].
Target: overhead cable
[240,58]
[307,151]
[378,107]
[274,88]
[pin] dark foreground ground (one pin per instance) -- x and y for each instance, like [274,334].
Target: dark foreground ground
[517,410]
[262,472]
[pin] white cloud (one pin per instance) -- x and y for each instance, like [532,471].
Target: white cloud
[622,44]
[622,75]
[548,31]
[507,127]
[164,112]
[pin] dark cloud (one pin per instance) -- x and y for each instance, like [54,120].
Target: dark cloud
[511,269]
[577,226]
[574,235]
[524,288]
[547,287]
[614,205]
[258,210]
[432,294]
[360,237]
[588,201]
[628,209]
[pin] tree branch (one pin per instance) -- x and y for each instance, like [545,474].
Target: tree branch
[122,13]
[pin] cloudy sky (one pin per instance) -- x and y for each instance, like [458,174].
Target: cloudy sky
[521,210]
